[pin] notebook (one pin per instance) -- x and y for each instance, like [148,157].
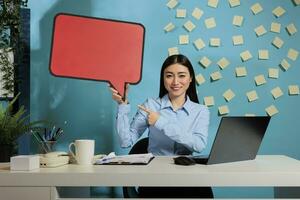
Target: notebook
[237,139]
[132,159]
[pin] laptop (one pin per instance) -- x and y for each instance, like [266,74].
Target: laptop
[237,139]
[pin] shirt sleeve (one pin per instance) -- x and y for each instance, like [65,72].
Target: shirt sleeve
[196,139]
[129,132]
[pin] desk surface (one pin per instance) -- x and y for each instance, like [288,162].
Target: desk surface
[265,170]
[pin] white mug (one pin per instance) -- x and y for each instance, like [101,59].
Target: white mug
[84,151]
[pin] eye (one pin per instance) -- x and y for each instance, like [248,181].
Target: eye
[168,75]
[182,76]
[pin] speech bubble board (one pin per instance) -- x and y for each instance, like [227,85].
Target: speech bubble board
[97,49]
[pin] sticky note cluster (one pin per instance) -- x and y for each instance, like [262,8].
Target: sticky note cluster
[276,92]
[209,101]
[210,23]
[213,3]
[271,110]
[199,44]
[238,40]
[228,95]
[197,13]
[205,62]
[172,4]
[200,79]
[215,76]
[246,55]
[223,110]
[260,79]
[237,20]
[256,8]
[240,71]
[223,63]
[189,26]
[294,90]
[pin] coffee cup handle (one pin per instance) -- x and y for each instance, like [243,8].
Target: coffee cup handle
[70,149]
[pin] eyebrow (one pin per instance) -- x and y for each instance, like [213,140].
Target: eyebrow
[177,73]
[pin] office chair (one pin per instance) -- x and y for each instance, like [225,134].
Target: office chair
[164,192]
[139,147]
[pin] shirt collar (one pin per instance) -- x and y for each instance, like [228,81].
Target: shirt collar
[166,103]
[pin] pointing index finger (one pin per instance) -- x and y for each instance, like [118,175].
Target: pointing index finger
[144,109]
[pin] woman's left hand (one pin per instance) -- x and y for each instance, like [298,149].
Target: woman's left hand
[152,116]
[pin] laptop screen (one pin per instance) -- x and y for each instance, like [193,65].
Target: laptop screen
[238,138]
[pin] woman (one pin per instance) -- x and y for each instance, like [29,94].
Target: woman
[177,123]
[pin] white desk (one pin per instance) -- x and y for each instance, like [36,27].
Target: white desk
[271,170]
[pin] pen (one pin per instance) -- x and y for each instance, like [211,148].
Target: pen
[41,138]
[56,132]
[50,136]
[36,137]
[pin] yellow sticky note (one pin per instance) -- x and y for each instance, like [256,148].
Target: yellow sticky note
[213,3]
[172,4]
[197,13]
[277,42]
[181,13]
[256,8]
[189,26]
[271,110]
[200,79]
[252,95]
[199,44]
[293,54]
[215,42]
[223,110]
[296,2]
[223,63]
[291,29]
[294,90]
[278,11]
[234,3]
[245,55]
[276,92]
[169,27]
[260,30]
[205,62]
[263,54]
[173,51]
[240,71]
[228,95]
[210,23]
[215,76]
[275,27]
[237,40]
[260,79]
[285,65]
[209,101]
[183,39]
[273,73]
[237,20]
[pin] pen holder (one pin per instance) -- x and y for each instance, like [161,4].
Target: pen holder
[47,146]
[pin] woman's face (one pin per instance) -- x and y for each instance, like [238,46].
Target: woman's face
[177,80]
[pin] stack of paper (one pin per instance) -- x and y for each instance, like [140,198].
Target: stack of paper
[125,159]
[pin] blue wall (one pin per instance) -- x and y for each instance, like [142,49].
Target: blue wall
[87,105]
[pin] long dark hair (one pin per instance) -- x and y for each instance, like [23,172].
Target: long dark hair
[183,60]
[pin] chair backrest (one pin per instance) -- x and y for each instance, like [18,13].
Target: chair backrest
[139,147]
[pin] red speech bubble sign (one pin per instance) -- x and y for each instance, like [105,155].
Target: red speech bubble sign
[97,49]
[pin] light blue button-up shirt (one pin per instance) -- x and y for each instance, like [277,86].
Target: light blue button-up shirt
[176,132]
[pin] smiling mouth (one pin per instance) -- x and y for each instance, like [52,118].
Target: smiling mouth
[175,88]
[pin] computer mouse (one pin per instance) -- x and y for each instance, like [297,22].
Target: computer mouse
[184,160]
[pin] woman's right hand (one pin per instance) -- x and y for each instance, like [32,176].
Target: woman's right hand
[117,97]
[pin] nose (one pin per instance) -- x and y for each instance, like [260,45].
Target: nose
[175,80]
